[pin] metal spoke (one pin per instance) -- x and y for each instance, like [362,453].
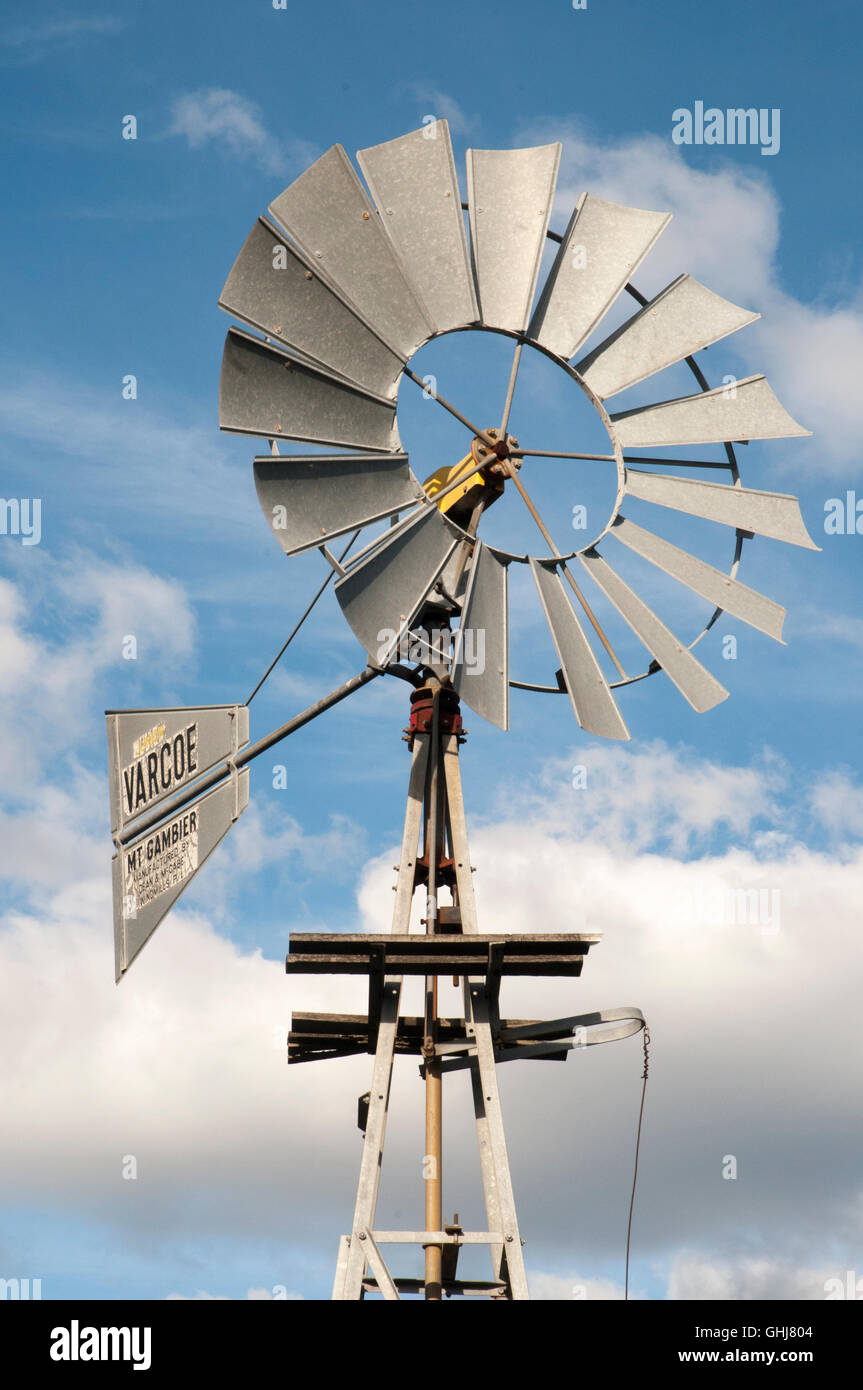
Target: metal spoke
[510,390]
[474,429]
[610,458]
[591,616]
[556,454]
[680,463]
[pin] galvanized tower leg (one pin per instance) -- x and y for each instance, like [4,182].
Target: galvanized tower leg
[480,1015]
[508,1259]
[351,1266]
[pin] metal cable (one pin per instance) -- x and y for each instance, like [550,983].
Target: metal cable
[646,1043]
[276,659]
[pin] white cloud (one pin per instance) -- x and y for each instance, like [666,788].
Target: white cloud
[199,488]
[183,1065]
[694,1276]
[838,802]
[831,627]
[237,125]
[440,104]
[559,1287]
[726,230]
[254,1295]
[41,675]
[28,43]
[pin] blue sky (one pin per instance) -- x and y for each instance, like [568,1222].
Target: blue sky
[114,253]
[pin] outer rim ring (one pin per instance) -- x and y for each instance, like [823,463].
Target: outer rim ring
[732,465]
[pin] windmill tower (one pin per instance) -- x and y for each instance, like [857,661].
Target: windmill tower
[338,290]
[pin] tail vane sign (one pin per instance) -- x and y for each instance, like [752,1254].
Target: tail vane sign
[154,753]
[150,872]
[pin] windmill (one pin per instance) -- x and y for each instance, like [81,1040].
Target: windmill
[337,290]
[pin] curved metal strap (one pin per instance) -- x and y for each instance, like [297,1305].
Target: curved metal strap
[629,1020]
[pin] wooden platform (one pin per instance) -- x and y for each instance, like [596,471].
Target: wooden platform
[314,1036]
[335,953]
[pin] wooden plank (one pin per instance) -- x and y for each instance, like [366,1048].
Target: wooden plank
[361,941]
[452,964]
[408,1024]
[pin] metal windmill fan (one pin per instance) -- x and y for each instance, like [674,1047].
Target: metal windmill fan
[346,288]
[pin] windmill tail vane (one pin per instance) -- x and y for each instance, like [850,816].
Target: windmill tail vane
[336,291]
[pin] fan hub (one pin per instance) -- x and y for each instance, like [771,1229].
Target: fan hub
[483,473]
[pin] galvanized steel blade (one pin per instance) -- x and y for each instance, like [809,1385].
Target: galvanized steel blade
[265,391]
[154,753]
[309,500]
[480,665]
[592,701]
[744,410]
[693,680]
[382,594]
[682,319]
[150,873]
[602,247]
[328,213]
[274,287]
[703,579]
[510,195]
[773,514]
[414,184]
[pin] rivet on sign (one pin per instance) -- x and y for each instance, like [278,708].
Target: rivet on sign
[308,275]
[278,429]
[277,328]
[389,212]
[365,217]
[319,255]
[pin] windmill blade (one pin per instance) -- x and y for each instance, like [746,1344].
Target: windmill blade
[310,500]
[771,514]
[682,319]
[385,590]
[745,410]
[603,246]
[693,680]
[510,194]
[709,583]
[275,288]
[480,665]
[413,181]
[327,212]
[593,703]
[265,391]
